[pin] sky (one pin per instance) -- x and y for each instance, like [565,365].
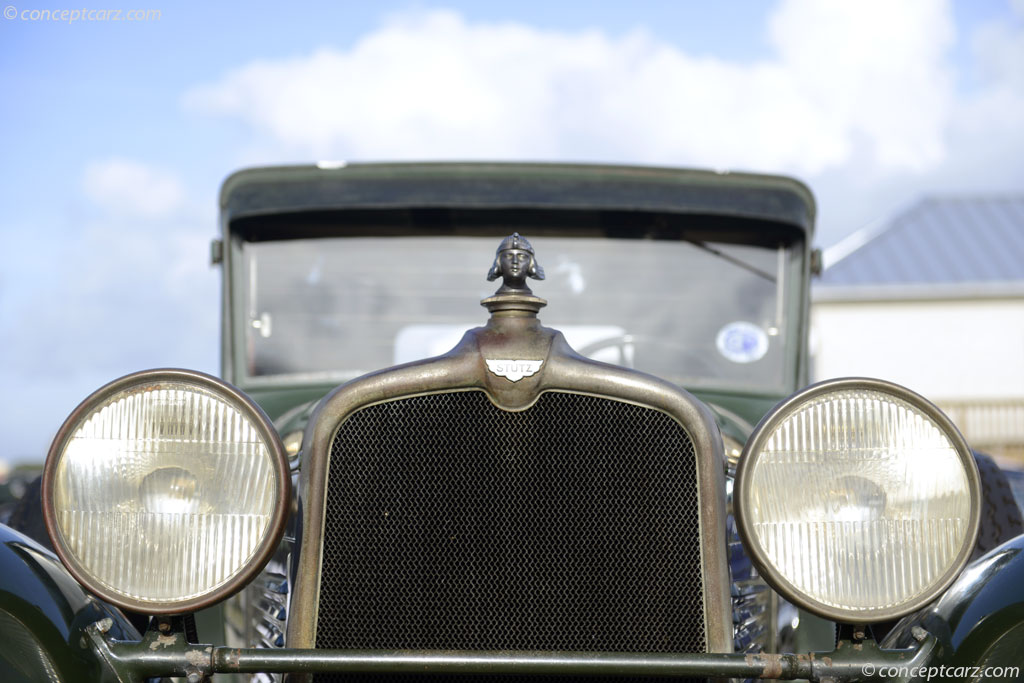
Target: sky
[116,130]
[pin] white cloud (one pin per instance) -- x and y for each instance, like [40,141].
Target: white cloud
[124,187]
[876,69]
[432,85]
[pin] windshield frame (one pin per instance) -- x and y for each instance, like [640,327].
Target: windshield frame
[571,223]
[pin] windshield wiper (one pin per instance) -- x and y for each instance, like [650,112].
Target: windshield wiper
[733,260]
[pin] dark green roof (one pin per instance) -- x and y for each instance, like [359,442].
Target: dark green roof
[286,189]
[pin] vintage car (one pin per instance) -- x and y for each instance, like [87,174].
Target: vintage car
[389,482]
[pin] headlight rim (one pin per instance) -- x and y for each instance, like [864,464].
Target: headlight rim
[282,489]
[766,427]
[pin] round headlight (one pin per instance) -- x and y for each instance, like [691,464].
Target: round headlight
[166,491]
[858,500]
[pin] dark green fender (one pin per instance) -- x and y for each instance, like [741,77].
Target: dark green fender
[979,622]
[43,612]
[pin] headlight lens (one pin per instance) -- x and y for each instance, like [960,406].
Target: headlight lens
[858,500]
[165,490]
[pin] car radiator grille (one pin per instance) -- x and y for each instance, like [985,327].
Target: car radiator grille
[453,524]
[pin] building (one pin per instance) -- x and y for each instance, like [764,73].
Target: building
[934,300]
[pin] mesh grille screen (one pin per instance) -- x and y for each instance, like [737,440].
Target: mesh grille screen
[452,524]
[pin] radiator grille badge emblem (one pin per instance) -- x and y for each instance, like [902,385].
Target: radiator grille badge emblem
[513,370]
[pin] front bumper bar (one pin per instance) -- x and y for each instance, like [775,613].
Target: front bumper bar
[170,655]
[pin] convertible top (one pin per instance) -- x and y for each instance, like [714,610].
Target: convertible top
[335,186]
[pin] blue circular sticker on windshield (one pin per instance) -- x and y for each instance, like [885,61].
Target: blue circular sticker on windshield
[742,342]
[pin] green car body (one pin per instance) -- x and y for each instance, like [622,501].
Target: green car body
[58,631]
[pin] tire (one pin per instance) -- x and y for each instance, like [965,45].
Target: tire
[27,516]
[1001,517]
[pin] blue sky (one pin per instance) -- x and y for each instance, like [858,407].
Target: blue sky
[116,134]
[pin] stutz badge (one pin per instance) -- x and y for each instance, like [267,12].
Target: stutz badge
[513,370]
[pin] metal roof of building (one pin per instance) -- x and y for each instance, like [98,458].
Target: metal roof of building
[939,247]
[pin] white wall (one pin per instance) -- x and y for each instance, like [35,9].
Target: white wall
[943,349]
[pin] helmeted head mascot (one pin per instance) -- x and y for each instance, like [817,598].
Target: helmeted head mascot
[514,262]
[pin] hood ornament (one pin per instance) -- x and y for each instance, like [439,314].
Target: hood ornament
[515,261]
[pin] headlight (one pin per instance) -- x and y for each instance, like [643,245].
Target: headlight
[165,491]
[858,500]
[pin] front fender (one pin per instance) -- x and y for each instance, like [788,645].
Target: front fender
[979,621]
[43,614]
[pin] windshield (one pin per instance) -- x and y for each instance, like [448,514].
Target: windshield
[701,314]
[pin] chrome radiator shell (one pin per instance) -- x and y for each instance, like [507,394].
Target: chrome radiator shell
[512,333]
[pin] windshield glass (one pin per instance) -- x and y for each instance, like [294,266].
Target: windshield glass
[701,314]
